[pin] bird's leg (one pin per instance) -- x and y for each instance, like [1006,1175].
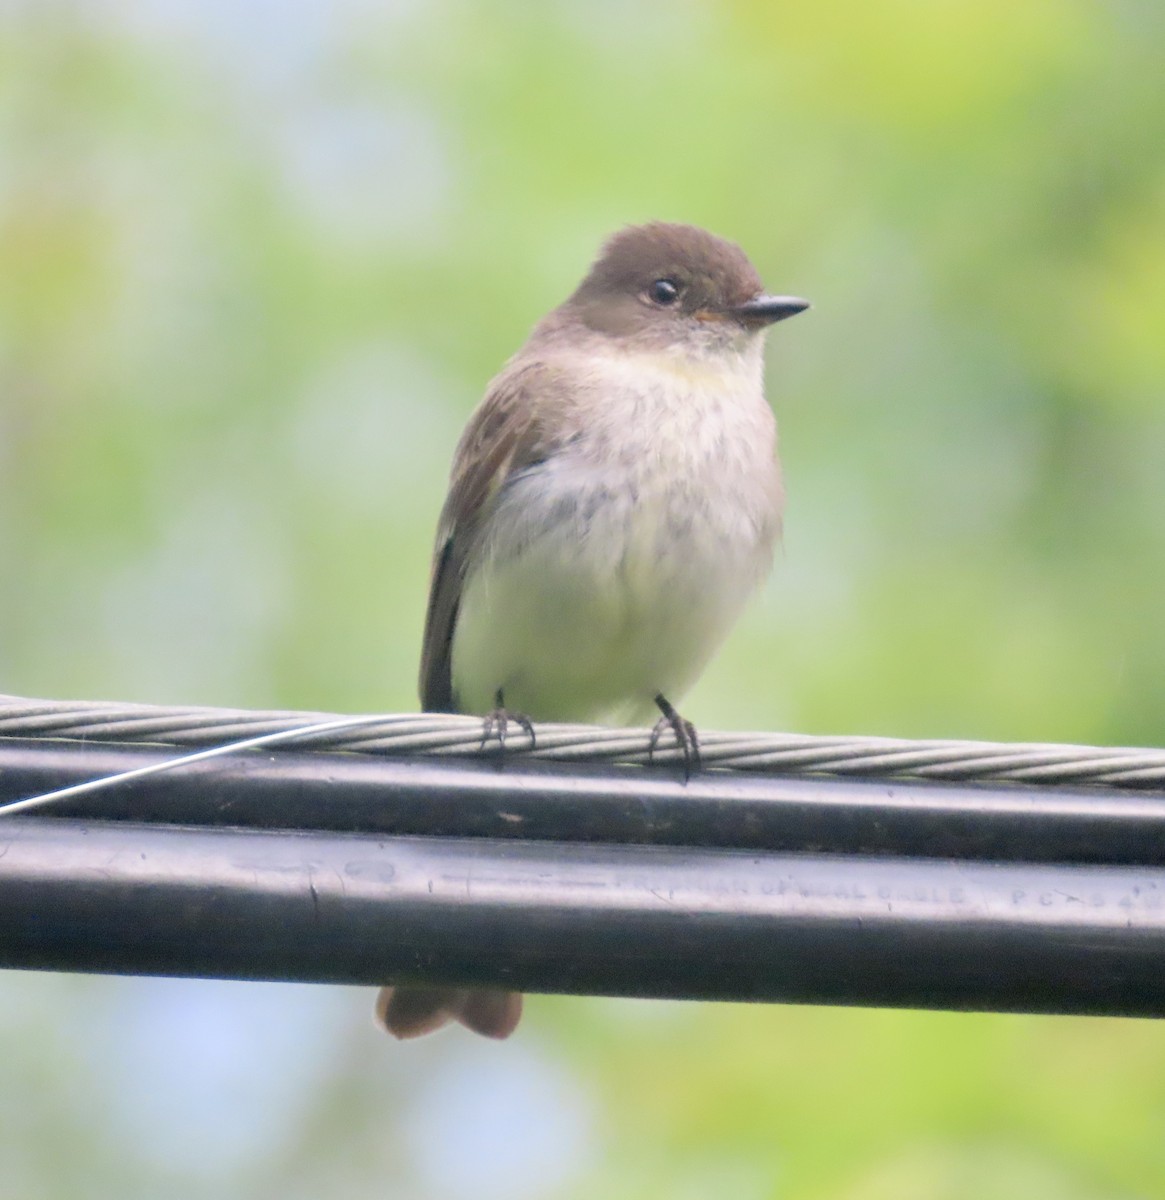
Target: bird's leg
[497,723]
[685,734]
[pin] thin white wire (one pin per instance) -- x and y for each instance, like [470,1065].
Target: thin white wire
[251,743]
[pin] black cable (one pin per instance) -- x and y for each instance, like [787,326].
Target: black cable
[619,880]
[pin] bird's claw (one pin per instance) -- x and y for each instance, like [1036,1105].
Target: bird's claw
[497,724]
[685,734]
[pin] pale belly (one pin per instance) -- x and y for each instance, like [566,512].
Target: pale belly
[592,599]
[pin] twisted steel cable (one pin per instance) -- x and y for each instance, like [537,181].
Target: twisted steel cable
[222,729]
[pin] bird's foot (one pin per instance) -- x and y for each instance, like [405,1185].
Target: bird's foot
[497,724]
[686,737]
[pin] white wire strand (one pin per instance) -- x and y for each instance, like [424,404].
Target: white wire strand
[183,760]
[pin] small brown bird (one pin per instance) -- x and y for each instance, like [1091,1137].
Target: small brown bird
[614,501]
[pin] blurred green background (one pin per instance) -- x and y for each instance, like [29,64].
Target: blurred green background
[257,262]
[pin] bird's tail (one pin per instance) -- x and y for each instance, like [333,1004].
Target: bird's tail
[414,1010]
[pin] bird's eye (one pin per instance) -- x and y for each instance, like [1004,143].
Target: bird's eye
[664,292]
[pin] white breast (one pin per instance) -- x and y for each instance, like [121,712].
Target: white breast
[612,571]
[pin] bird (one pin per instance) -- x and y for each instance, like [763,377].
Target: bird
[614,501]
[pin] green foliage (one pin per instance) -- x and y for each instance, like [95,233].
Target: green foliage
[256,267]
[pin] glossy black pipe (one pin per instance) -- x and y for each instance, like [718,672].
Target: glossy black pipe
[585,803]
[615,919]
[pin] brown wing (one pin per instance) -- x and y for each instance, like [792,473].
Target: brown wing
[504,435]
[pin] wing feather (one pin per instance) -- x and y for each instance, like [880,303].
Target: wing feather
[505,434]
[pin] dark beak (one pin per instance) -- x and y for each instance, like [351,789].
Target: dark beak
[767,310]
